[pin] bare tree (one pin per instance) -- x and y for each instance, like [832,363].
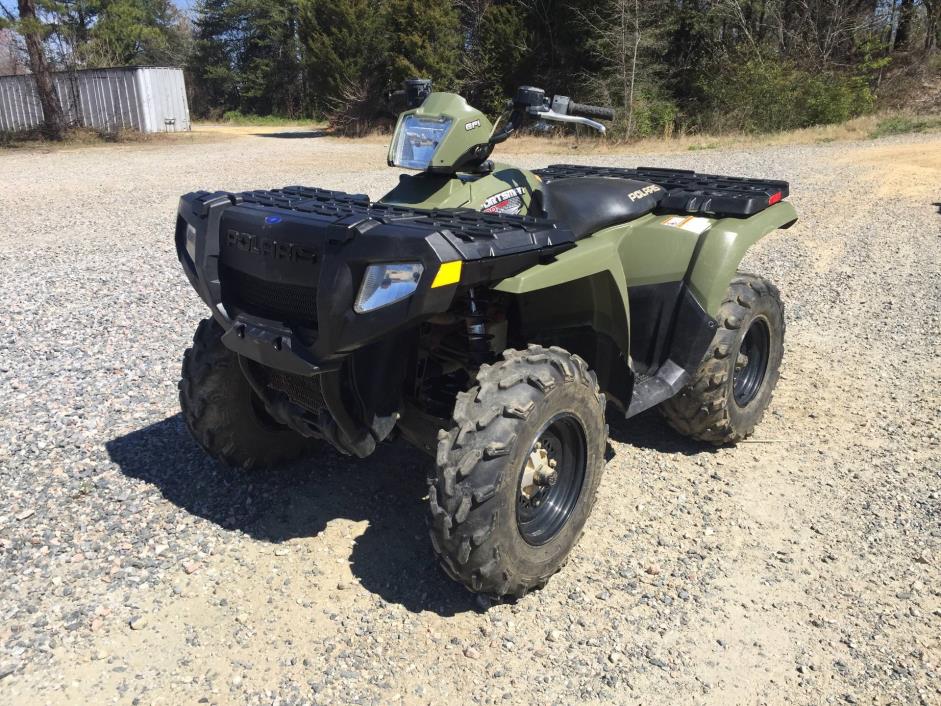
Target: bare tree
[10,53]
[30,26]
[932,24]
[903,30]
[619,39]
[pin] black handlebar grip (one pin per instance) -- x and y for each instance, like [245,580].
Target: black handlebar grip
[591,111]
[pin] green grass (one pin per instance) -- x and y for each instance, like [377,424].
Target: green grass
[902,124]
[235,117]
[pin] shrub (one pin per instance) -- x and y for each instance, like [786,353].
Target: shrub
[755,96]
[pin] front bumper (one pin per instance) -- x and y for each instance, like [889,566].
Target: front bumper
[280,269]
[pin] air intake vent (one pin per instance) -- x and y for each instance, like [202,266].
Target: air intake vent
[285,303]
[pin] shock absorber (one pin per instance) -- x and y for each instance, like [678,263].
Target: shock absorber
[478,341]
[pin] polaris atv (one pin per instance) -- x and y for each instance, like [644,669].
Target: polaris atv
[488,315]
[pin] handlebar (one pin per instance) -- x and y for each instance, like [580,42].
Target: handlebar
[531,103]
[591,111]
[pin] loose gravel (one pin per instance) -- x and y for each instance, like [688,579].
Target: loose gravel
[801,567]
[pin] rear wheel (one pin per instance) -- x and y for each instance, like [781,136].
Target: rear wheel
[518,471]
[730,392]
[224,415]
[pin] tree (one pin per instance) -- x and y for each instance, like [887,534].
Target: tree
[247,57]
[495,62]
[345,63]
[424,41]
[903,29]
[34,32]
[10,53]
[125,32]
[212,65]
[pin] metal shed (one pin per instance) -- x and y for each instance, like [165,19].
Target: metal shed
[144,98]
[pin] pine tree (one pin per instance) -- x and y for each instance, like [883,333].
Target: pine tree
[344,54]
[247,57]
[212,66]
[424,41]
[269,58]
[496,63]
[126,32]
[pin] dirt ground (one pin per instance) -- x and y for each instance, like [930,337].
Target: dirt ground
[800,567]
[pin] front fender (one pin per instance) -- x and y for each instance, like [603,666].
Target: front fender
[723,247]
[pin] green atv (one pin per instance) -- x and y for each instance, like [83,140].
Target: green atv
[486,314]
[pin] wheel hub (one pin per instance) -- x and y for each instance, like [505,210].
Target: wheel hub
[539,472]
[551,479]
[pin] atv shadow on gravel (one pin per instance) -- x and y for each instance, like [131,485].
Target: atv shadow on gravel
[389,558]
[292,134]
[648,430]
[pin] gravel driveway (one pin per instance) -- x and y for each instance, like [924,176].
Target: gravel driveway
[801,567]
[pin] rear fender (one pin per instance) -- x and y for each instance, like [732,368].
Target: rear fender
[722,248]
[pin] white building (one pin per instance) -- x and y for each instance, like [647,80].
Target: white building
[144,98]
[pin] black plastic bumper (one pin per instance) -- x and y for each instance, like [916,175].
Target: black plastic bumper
[281,269]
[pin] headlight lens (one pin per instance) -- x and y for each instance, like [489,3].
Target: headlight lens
[417,140]
[191,242]
[387,284]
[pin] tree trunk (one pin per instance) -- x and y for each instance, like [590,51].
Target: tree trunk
[904,30]
[53,118]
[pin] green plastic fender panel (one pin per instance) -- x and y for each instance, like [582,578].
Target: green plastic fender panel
[647,251]
[723,247]
[425,190]
[644,251]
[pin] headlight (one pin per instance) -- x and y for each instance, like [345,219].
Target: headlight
[387,284]
[417,140]
[191,242]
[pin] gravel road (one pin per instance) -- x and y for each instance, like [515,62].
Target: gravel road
[802,567]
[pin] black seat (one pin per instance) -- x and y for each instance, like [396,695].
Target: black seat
[585,205]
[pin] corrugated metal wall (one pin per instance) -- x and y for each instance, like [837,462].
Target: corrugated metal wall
[148,99]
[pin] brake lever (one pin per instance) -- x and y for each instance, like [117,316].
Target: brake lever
[562,118]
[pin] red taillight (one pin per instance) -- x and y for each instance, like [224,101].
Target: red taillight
[774,198]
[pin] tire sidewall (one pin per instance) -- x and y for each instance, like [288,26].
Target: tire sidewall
[533,562]
[768,309]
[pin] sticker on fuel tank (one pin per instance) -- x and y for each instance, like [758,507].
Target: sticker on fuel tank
[509,201]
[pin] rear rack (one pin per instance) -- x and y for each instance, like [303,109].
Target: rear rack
[687,191]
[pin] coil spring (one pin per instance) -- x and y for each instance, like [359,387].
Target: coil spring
[478,340]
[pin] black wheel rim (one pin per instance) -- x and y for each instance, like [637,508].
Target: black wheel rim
[541,516]
[751,362]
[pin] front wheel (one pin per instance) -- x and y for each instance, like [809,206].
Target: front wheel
[224,415]
[518,471]
[730,392]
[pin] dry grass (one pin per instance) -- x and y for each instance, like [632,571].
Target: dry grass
[866,127]
[857,129]
[80,138]
[861,128]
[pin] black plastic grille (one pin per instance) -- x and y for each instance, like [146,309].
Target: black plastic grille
[286,303]
[304,391]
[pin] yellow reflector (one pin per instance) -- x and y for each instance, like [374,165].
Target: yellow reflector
[450,273]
